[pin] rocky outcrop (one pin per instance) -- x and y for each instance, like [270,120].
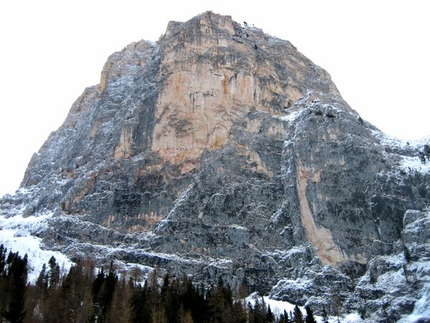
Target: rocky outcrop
[221,150]
[399,283]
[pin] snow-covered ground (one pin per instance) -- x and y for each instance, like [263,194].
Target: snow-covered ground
[278,308]
[16,237]
[421,311]
[414,163]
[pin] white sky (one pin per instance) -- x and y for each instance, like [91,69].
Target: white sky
[376,51]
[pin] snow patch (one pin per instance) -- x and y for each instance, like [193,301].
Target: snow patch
[392,141]
[237,227]
[291,117]
[285,254]
[350,318]
[18,236]
[278,308]
[408,151]
[421,312]
[414,163]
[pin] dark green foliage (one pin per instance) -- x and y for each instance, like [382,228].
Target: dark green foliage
[54,273]
[81,296]
[239,314]
[102,293]
[45,294]
[257,314]
[13,279]
[283,318]
[170,300]
[192,300]
[3,275]
[74,293]
[140,305]
[42,280]
[3,251]
[269,316]
[220,302]
[310,318]
[297,315]
[180,301]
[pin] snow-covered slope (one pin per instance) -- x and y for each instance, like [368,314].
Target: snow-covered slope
[19,234]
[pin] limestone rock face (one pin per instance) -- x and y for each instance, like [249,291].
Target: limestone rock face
[221,150]
[130,146]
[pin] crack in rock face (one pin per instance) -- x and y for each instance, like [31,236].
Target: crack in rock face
[320,237]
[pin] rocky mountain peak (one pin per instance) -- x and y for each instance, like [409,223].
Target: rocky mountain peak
[207,23]
[218,71]
[223,151]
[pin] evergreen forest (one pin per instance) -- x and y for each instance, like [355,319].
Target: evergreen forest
[86,294]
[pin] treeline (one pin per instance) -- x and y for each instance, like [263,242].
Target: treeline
[86,295]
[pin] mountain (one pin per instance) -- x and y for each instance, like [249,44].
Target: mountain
[220,150]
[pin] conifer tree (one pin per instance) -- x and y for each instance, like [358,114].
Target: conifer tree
[140,305]
[136,304]
[283,318]
[35,297]
[170,300]
[239,313]
[42,280]
[16,280]
[269,316]
[257,313]
[102,293]
[310,318]
[3,251]
[119,312]
[53,273]
[220,303]
[297,315]
[73,296]
[3,273]
[51,308]
[154,297]
[192,300]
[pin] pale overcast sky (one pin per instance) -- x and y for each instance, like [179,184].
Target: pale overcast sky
[376,51]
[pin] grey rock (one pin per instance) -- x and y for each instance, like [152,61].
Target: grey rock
[212,153]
